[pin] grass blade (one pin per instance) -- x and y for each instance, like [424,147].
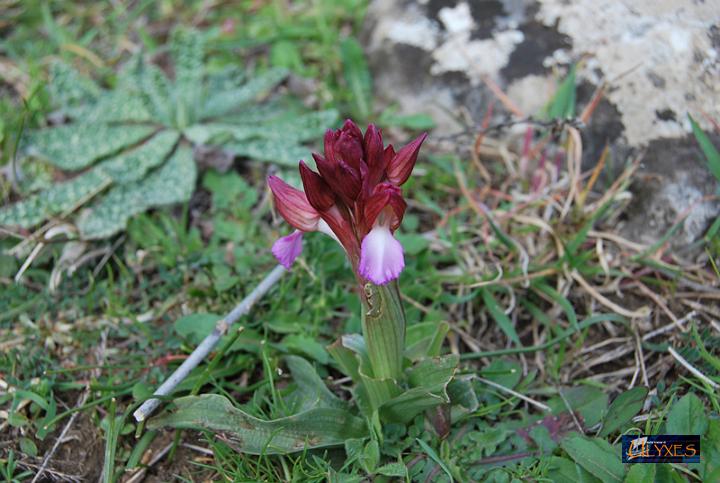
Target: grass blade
[499,315]
[434,456]
[711,153]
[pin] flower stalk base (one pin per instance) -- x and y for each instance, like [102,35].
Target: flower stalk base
[383,326]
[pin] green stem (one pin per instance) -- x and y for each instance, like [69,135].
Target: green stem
[383,325]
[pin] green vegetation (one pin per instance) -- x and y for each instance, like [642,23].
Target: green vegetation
[156,228]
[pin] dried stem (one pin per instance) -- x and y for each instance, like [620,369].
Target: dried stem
[202,350]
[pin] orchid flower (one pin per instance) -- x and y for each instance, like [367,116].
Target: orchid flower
[355,199]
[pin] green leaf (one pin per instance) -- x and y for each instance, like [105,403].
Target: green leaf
[187,47]
[462,393]
[562,470]
[351,354]
[543,439]
[292,130]
[506,372]
[156,93]
[710,446]
[68,87]
[315,428]
[711,153]
[412,243]
[116,106]
[498,314]
[596,456]
[377,391]
[622,410]
[559,299]
[428,380]
[370,456]
[434,456]
[172,183]
[259,113]
[269,150]
[425,339]
[227,189]
[311,392]
[590,402]
[357,77]
[667,474]
[641,473]
[687,416]
[299,128]
[57,199]
[224,102]
[195,327]
[76,146]
[562,105]
[397,469]
[285,53]
[306,345]
[215,133]
[347,360]
[28,447]
[133,165]
[63,198]
[433,371]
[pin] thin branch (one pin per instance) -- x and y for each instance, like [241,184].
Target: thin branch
[500,387]
[80,402]
[207,345]
[696,372]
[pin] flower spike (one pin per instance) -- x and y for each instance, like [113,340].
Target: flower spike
[355,198]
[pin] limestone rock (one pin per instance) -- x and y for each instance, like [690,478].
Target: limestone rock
[661,59]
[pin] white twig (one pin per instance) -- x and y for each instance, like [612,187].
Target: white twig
[692,369]
[100,357]
[46,460]
[202,350]
[669,326]
[140,474]
[514,393]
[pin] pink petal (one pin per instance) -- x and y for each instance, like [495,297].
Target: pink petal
[293,205]
[288,248]
[400,166]
[381,256]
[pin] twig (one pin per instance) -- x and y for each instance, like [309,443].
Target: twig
[692,369]
[669,326]
[570,410]
[643,311]
[202,350]
[514,393]
[81,401]
[199,449]
[641,358]
[140,474]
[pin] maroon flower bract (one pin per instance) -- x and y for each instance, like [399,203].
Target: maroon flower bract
[355,198]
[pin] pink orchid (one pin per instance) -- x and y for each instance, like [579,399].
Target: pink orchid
[355,198]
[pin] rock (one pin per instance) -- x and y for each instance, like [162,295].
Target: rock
[660,58]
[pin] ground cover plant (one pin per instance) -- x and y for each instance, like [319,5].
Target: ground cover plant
[552,335]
